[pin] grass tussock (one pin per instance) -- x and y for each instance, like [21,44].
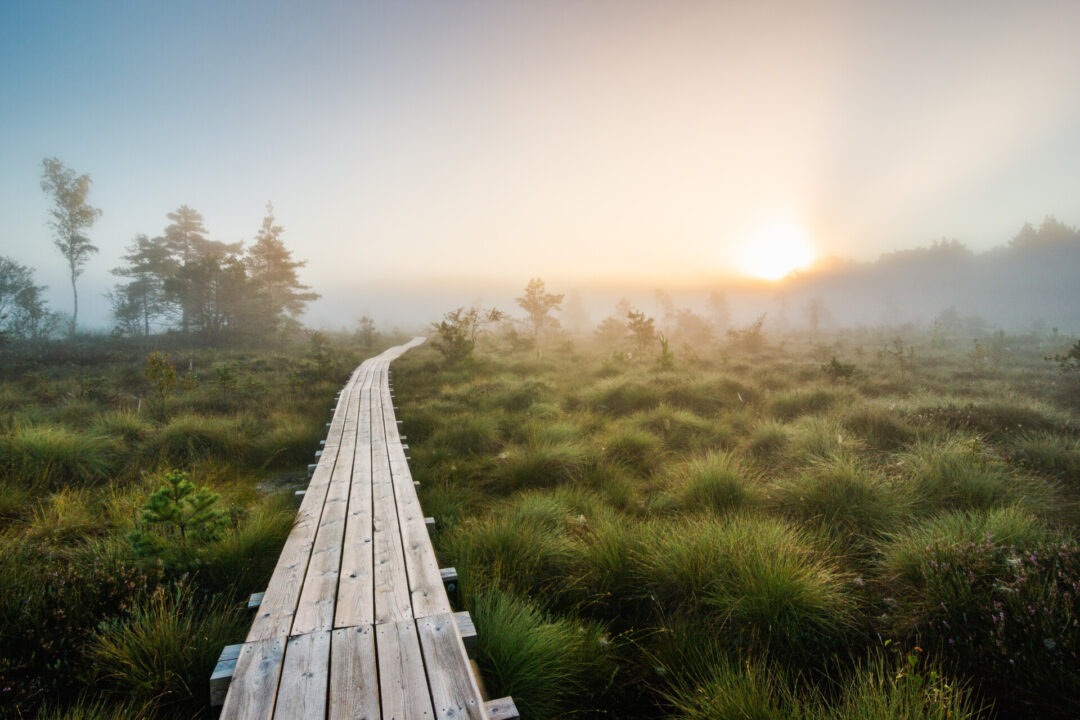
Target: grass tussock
[717,482]
[44,457]
[854,504]
[552,667]
[161,653]
[756,581]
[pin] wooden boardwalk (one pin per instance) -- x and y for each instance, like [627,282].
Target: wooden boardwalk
[356,622]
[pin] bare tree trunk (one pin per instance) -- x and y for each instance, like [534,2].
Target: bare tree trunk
[75,295]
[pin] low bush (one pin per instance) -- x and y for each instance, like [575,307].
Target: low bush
[998,597]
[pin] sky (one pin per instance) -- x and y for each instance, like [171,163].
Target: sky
[436,149]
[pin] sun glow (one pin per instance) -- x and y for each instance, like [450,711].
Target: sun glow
[775,250]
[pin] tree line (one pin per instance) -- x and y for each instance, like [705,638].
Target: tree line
[180,280]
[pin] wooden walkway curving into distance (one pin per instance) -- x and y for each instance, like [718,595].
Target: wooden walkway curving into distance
[356,622]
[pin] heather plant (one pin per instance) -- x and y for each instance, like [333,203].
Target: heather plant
[1003,607]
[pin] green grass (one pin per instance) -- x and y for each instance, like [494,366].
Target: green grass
[716,482]
[541,464]
[189,439]
[961,473]
[162,653]
[44,457]
[552,667]
[854,504]
[757,582]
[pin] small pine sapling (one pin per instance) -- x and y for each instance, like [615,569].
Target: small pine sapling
[162,375]
[178,518]
[837,371]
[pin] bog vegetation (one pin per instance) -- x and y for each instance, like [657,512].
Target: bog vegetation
[670,517]
[673,522]
[144,494]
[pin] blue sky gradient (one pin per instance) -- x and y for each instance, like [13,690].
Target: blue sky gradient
[466,145]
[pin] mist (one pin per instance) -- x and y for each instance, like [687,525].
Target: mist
[427,157]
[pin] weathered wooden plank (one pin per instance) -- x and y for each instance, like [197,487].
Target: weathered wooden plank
[222,676]
[427,593]
[403,685]
[255,681]
[304,676]
[502,709]
[275,615]
[354,679]
[454,692]
[356,589]
[467,631]
[392,598]
[315,609]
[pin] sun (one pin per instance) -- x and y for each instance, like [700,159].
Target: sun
[774,250]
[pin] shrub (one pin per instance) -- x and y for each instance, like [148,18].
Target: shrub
[1001,605]
[50,602]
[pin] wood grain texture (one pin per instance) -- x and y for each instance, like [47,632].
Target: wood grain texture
[403,686]
[305,673]
[255,681]
[356,584]
[392,598]
[354,678]
[315,609]
[454,692]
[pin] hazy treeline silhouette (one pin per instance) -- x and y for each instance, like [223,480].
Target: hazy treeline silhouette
[181,280]
[1032,281]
